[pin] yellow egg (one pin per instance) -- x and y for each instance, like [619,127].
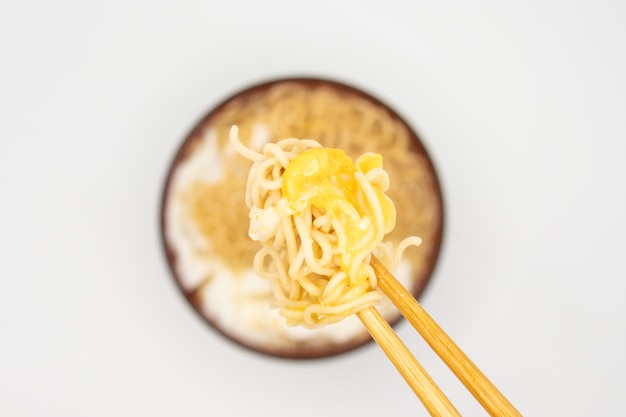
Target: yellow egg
[369,161]
[325,178]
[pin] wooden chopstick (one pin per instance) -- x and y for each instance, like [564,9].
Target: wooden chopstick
[415,375]
[492,400]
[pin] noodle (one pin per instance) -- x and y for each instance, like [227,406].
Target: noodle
[318,218]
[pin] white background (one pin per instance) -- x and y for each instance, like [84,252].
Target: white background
[521,104]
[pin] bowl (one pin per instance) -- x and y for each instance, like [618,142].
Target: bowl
[204,220]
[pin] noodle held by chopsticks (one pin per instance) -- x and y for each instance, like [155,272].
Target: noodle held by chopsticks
[319,216]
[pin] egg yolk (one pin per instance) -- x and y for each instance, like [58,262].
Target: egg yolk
[325,178]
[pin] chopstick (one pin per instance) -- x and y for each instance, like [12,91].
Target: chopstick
[415,375]
[491,399]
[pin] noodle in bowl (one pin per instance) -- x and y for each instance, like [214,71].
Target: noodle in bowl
[204,215]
